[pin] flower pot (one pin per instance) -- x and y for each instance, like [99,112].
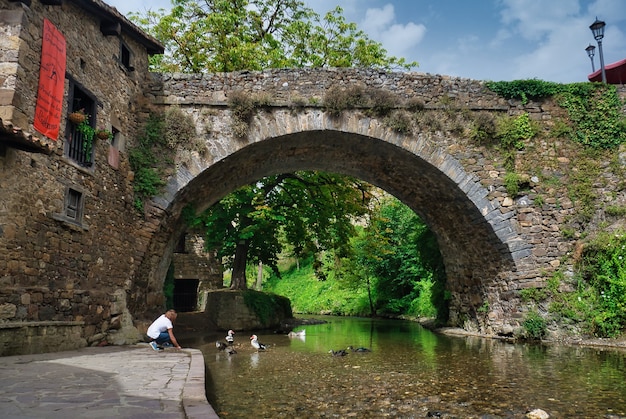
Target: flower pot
[76,117]
[103,135]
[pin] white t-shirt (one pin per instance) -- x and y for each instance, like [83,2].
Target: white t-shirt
[162,324]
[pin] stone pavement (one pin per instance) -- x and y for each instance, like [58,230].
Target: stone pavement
[113,381]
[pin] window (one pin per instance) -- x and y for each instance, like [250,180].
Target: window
[74,205]
[125,57]
[115,141]
[79,146]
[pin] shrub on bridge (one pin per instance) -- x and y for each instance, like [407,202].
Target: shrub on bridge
[598,297]
[594,108]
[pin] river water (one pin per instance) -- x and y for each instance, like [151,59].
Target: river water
[410,372]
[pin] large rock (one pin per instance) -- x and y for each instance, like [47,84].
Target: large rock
[246,310]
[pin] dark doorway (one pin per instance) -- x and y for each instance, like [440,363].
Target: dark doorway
[185,294]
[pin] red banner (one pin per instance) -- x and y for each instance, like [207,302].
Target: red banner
[49,105]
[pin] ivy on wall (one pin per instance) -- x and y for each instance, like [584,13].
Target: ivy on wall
[593,108]
[152,156]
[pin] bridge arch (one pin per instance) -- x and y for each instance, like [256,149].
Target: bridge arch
[482,252]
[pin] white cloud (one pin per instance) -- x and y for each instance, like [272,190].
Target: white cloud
[398,39]
[534,20]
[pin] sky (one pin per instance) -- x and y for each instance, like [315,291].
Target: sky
[479,39]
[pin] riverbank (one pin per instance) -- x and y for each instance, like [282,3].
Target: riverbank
[110,381]
[618,343]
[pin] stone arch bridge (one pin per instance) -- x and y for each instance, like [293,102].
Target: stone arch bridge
[493,245]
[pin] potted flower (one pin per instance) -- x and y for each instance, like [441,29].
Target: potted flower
[88,132]
[77,117]
[104,134]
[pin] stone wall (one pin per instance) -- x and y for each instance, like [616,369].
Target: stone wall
[20,338]
[196,263]
[53,269]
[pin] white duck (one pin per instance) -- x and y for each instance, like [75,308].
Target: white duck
[230,338]
[299,333]
[254,341]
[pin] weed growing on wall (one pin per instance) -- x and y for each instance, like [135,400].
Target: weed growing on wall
[155,149]
[603,268]
[243,106]
[144,160]
[535,326]
[596,294]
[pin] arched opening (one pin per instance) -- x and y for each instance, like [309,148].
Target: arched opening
[477,259]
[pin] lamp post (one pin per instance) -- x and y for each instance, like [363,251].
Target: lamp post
[591,52]
[597,28]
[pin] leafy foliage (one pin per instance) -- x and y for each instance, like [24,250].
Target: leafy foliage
[88,133]
[224,36]
[603,267]
[154,150]
[535,326]
[597,116]
[598,300]
[311,296]
[313,211]
[483,128]
[397,256]
[145,162]
[525,90]
[512,132]
[594,108]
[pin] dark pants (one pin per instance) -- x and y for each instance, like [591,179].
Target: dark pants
[163,338]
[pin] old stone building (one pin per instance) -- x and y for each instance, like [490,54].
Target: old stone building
[68,230]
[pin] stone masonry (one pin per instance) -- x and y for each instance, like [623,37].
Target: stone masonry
[99,277]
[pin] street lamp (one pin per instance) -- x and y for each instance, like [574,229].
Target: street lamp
[591,52]
[597,28]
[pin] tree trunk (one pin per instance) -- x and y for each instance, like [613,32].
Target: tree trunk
[238,279]
[369,296]
[259,278]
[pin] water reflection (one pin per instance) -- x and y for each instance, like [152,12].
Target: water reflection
[410,372]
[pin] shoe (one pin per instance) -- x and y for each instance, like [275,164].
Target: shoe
[154,346]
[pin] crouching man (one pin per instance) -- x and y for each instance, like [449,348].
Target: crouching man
[161,331]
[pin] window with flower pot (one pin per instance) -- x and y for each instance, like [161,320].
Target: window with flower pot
[80,130]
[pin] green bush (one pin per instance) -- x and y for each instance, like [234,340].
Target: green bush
[535,326]
[511,183]
[525,90]
[148,159]
[603,266]
[533,294]
[483,128]
[594,109]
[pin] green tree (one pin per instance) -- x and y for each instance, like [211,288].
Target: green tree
[397,258]
[231,35]
[312,211]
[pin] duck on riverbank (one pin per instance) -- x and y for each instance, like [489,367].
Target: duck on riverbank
[361,349]
[254,341]
[298,334]
[230,337]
